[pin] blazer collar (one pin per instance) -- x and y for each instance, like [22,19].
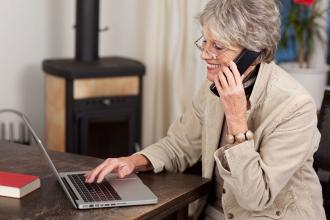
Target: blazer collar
[213,121]
[258,91]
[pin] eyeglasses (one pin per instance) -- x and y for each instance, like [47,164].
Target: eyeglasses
[215,49]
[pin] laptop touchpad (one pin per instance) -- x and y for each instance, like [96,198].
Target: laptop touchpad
[130,187]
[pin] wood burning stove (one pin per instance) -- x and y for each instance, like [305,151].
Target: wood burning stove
[93,105]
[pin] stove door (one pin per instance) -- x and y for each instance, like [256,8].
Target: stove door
[106,134]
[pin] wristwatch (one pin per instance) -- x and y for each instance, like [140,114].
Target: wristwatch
[240,137]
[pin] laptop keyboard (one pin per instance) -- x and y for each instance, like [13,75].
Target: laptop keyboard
[93,192]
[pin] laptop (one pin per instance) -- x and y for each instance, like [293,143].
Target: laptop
[112,192]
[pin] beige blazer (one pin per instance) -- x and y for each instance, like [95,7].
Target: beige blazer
[270,177]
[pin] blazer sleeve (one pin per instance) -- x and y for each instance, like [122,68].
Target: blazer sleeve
[181,148]
[256,178]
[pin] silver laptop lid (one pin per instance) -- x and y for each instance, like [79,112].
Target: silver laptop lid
[40,144]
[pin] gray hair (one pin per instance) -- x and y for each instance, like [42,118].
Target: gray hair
[252,24]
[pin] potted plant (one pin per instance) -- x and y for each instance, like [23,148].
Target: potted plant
[306,24]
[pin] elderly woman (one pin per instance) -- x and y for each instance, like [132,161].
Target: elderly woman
[257,140]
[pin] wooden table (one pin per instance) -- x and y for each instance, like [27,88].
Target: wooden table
[174,191]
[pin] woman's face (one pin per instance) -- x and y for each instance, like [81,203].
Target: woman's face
[215,55]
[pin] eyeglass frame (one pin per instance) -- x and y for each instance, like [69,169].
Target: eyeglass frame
[205,49]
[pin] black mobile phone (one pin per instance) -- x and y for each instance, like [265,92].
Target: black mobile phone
[243,61]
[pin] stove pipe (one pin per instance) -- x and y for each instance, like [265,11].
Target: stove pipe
[87,30]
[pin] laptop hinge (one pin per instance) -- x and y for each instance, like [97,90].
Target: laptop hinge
[72,194]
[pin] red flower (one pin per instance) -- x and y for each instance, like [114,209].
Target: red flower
[304,2]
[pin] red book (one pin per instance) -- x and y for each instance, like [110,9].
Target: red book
[17,185]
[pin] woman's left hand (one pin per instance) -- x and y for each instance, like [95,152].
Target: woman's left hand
[230,87]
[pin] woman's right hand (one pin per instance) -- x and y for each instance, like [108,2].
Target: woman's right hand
[123,166]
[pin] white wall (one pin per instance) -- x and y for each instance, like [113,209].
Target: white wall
[35,30]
